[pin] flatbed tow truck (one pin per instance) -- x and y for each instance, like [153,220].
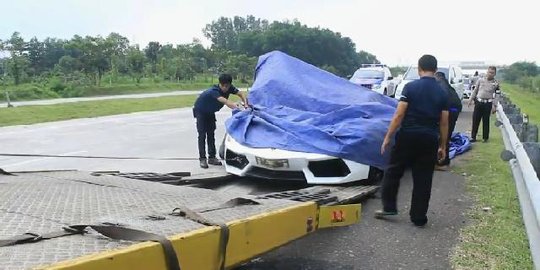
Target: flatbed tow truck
[111,220]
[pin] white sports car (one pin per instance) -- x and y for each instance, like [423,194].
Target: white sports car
[280,164]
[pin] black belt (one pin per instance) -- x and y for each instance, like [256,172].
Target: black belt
[483,100]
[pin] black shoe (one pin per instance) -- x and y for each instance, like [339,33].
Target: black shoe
[473,140]
[485,141]
[379,214]
[203,164]
[214,161]
[419,222]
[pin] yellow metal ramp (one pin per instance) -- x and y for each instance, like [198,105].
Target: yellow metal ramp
[41,203]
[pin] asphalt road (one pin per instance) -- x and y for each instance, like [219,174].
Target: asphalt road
[371,244]
[161,134]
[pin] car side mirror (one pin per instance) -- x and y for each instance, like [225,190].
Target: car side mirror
[390,78]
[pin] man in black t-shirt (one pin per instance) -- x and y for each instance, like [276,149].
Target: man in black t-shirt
[207,104]
[422,114]
[454,109]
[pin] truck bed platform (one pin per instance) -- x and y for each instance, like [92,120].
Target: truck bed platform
[45,202]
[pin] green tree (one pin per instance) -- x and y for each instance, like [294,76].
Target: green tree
[135,63]
[18,61]
[93,54]
[116,47]
[152,52]
[221,33]
[321,47]
[225,32]
[36,50]
[518,70]
[53,51]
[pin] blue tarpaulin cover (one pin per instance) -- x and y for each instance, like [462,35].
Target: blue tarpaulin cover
[459,144]
[299,107]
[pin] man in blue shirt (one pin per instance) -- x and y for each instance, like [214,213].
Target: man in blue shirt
[207,104]
[422,113]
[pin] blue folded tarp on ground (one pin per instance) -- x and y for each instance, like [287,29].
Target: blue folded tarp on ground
[459,144]
[299,107]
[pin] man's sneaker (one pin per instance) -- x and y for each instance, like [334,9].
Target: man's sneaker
[203,164]
[382,214]
[420,223]
[214,161]
[473,140]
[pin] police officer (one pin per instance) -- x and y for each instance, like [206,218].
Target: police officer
[207,104]
[422,113]
[484,96]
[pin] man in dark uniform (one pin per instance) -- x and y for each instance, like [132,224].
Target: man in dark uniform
[422,113]
[455,107]
[207,104]
[484,96]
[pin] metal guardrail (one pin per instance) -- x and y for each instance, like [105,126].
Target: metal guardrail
[527,183]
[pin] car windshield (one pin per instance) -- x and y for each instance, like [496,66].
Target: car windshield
[412,73]
[368,74]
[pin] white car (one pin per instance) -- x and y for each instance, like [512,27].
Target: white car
[376,77]
[453,74]
[279,164]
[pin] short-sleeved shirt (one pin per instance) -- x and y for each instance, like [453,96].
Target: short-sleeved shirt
[426,100]
[486,89]
[208,103]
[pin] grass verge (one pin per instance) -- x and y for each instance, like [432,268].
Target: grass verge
[528,101]
[495,237]
[25,115]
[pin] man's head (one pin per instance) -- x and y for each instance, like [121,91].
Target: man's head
[491,72]
[225,81]
[440,76]
[427,65]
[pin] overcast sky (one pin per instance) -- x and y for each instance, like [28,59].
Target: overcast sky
[397,32]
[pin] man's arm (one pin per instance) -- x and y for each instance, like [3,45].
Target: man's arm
[227,102]
[443,129]
[395,124]
[243,96]
[474,92]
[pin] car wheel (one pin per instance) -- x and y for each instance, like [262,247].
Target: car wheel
[375,176]
[385,92]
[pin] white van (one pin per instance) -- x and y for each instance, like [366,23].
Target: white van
[453,73]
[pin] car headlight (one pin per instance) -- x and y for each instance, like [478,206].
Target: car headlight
[376,86]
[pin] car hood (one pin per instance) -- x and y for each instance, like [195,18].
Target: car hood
[366,81]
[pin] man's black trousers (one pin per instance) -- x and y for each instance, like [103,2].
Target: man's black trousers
[419,152]
[482,111]
[452,119]
[206,127]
